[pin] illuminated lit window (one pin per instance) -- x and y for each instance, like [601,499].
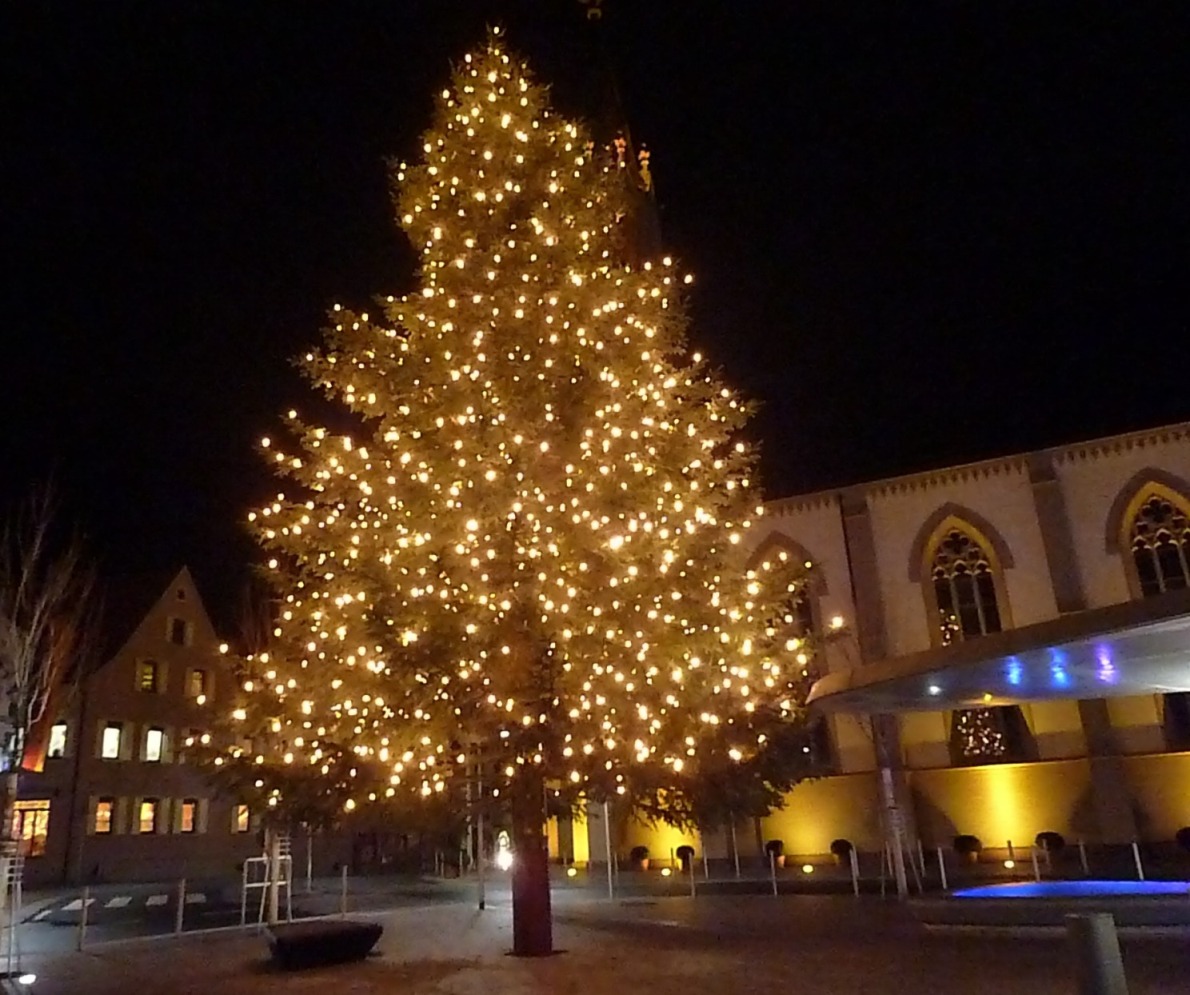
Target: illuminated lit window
[1159,537]
[147,676]
[105,809]
[178,632]
[197,683]
[110,745]
[57,746]
[1161,546]
[188,821]
[240,818]
[964,588]
[146,819]
[154,744]
[31,825]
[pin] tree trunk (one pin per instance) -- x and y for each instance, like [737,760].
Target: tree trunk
[532,921]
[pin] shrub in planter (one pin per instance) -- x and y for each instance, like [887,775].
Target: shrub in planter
[1050,842]
[775,850]
[1182,837]
[686,856]
[841,850]
[639,855]
[968,846]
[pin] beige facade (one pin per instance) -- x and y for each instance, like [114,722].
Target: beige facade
[1054,531]
[122,804]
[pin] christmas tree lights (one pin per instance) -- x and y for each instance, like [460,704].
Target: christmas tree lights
[532,543]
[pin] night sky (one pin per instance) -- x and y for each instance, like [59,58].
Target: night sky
[919,239]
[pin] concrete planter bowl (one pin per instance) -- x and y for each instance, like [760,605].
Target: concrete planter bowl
[298,945]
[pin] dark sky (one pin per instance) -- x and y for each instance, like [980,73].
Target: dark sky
[919,238]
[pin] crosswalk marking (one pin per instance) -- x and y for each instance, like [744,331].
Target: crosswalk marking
[195,897]
[153,900]
[77,905]
[42,914]
[118,902]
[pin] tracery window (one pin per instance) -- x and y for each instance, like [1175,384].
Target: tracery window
[1160,537]
[964,584]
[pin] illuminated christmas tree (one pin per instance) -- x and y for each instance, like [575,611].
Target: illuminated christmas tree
[529,547]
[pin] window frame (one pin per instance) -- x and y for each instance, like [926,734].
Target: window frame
[240,826]
[192,804]
[161,741]
[118,728]
[110,802]
[28,843]
[140,816]
[153,669]
[63,746]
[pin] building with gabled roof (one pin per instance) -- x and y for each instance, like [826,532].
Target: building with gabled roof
[115,801]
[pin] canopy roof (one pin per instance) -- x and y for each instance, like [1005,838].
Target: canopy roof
[1139,647]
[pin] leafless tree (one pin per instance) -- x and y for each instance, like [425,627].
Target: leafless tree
[47,613]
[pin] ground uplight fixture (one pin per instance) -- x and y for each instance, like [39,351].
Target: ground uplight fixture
[571,872]
[666,872]
[807,868]
[1010,864]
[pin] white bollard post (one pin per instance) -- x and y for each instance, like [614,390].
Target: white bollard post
[1095,949]
[244,894]
[942,870]
[1140,870]
[853,854]
[706,864]
[82,939]
[607,846]
[1036,869]
[921,861]
[343,894]
[1082,858]
[693,889]
[735,851]
[180,910]
[773,870]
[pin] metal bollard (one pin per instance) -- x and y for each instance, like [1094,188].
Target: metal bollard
[343,895]
[180,911]
[854,856]
[82,939]
[1140,868]
[942,870]
[1095,949]
[773,870]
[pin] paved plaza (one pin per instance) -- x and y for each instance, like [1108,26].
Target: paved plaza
[803,944]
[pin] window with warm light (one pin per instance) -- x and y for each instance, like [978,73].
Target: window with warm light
[1159,538]
[965,587]
[1161,545]
[154,744]
[57,744]
[109,748]
[197,683]
[188,820]
[148,676]
[240,818]
[146,819]
[31,825]
[105,810]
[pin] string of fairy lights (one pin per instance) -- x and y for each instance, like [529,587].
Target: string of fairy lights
[533,540]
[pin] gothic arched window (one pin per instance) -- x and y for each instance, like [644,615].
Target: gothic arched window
[963,577]
[1158,534]
[964,587]
[1160,542]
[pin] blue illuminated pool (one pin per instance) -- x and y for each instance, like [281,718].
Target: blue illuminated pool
[1074,889]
